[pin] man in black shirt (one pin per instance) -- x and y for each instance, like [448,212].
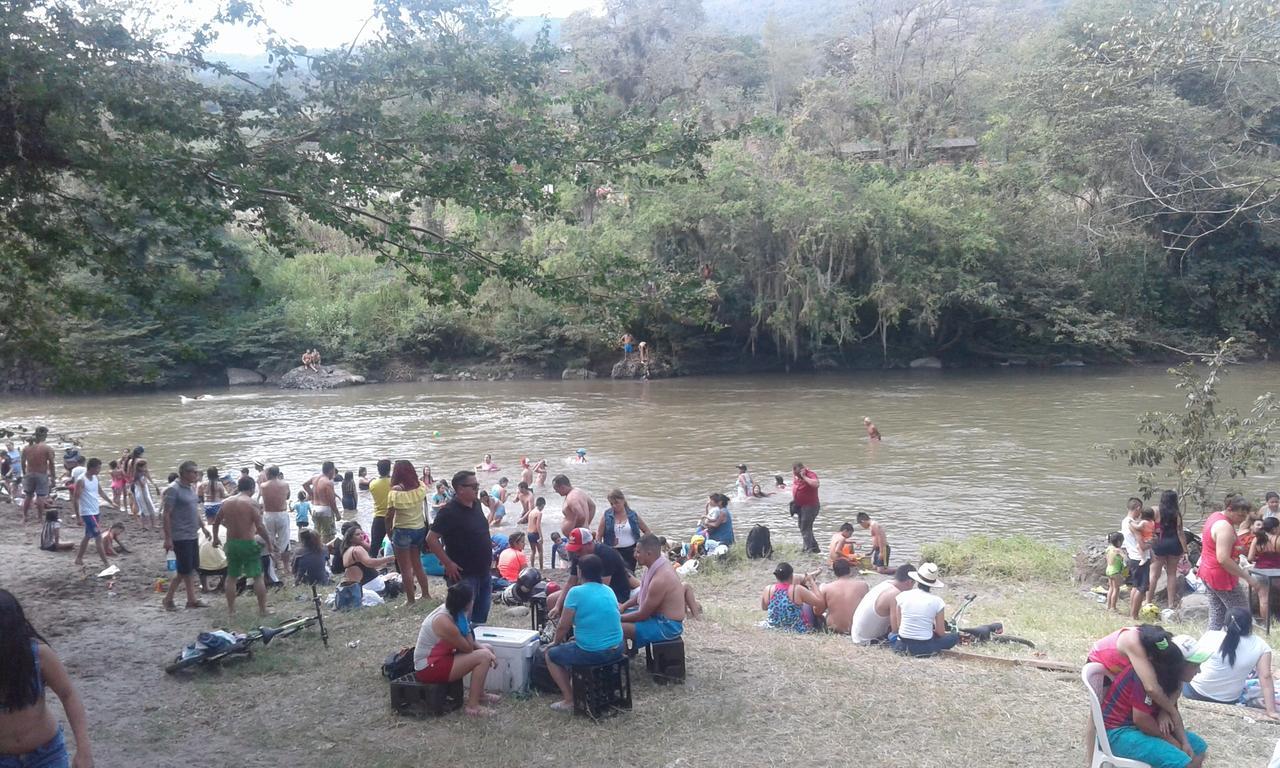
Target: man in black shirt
[581,542]
[460,538]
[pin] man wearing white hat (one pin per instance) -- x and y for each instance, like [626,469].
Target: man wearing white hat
[918,619]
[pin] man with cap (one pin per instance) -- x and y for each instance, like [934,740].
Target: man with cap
[614,574]
[1130,716]
[918,619]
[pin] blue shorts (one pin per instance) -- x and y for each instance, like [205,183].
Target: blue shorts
[1133,743]
[571,655]
[534,538]
[90,526]
[211,510]
[407,538]
[656,629]
[500,512]
[53,754]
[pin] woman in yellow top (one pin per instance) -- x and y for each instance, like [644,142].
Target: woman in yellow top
[408,526]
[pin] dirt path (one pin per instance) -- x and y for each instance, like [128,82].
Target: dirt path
[753,698]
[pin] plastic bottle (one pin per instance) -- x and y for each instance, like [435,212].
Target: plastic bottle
[172,562]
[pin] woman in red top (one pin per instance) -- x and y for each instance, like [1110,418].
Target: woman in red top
[1218,568]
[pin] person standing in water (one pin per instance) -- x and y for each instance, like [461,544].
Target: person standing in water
[873,434]
[349,500]
[526,471]
[540,472]
[29,733]
[744,482]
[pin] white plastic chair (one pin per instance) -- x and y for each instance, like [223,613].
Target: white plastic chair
[1092,675]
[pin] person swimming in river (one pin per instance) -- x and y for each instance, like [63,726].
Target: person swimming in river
[873,434]
[487,465]
[579,456]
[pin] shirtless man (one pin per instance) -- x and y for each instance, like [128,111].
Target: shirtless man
[659,606]
[38,470]
[879,542]
[534,532]
[274,492]
[540,472]
[873,434]
[526,472]
[242,519]
[262,471]
[524,495]
[842,597]
[323,500]
[842,546]
[579,509]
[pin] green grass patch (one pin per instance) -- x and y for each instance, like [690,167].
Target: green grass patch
[1019,558]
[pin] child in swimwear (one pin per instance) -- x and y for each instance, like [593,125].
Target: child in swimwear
[1115,560]
[534,532]
[112,541]
[117,484]
[302,510]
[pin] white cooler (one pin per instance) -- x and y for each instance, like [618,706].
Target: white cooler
[514,649]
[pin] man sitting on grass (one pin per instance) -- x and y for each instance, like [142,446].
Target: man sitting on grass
[843,547]
[873,616]
[842,597]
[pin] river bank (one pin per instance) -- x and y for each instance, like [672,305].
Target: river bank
[753,697]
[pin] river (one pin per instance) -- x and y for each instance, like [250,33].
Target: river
[964,452]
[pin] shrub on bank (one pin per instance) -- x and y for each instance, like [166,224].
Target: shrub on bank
[1019,558]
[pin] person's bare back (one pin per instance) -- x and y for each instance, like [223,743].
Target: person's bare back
[667,588]
[535,521]
[275,495]
[241,517]
[322,493]
[842,597]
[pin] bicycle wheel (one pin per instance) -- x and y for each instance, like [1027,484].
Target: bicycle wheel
[1013,640]
[186,662]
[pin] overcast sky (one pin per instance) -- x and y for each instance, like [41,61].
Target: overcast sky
[324,23]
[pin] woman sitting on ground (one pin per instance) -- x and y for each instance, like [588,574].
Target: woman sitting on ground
[447,651]
[309,566]
[29,733]
[358,566]
[1223,675]
[590,611]
[717,523]
[790,606]
[513,560]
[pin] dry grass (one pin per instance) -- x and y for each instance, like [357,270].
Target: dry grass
[753,697]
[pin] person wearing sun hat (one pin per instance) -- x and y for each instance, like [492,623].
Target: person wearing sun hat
[1129,714]
[918,617]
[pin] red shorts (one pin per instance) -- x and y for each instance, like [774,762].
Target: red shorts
[436,672]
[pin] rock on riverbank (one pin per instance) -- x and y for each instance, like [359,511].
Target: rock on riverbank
[328,377]
[634,369]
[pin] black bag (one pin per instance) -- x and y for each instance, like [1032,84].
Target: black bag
[398,664]
[539,676]
[758,543]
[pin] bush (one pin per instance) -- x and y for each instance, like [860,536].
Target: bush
[1019,558]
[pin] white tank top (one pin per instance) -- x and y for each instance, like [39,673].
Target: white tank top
[867,624]
[426,639]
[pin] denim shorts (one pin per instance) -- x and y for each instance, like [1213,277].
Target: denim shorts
[91,526]
[571,655]
[406,538]
[53,754]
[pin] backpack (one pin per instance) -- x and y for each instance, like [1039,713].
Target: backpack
[758,544]
[398,664]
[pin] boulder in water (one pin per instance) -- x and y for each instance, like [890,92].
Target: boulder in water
[241,377]
[634,369]
[577,373]
[328,377]
[926,362]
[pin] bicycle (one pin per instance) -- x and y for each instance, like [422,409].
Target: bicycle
[220,644]
[993,632]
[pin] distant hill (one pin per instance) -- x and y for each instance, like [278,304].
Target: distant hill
[747,17]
